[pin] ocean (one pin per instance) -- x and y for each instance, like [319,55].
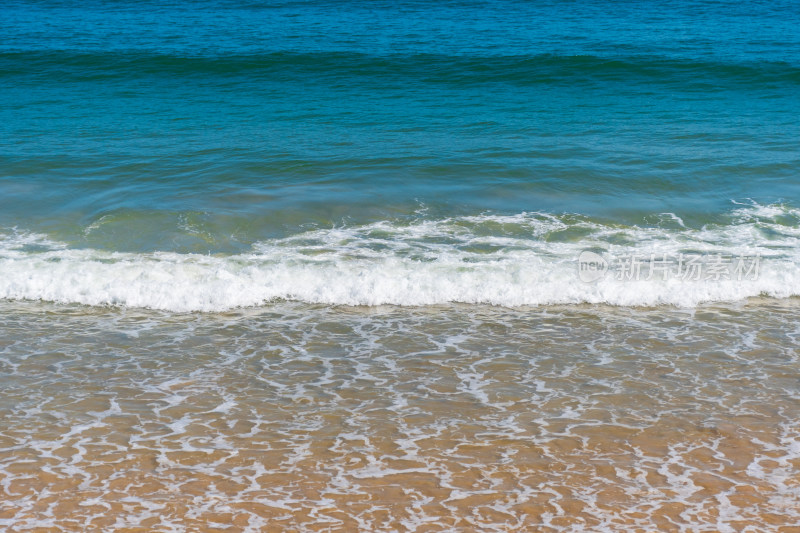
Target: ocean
[399,266]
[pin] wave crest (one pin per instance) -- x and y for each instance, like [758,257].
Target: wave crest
[517,260]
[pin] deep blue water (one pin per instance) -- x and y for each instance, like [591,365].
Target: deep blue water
[222,128]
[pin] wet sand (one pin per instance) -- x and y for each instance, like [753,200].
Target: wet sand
[457,418]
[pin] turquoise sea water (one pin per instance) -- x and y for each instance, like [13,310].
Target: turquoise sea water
[372,135]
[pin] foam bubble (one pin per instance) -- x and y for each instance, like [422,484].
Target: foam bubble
[517,260]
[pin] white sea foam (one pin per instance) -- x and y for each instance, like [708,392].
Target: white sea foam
[524,259]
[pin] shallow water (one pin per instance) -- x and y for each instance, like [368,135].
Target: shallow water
[301,417]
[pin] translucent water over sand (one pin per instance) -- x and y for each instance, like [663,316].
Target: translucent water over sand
[308,418]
